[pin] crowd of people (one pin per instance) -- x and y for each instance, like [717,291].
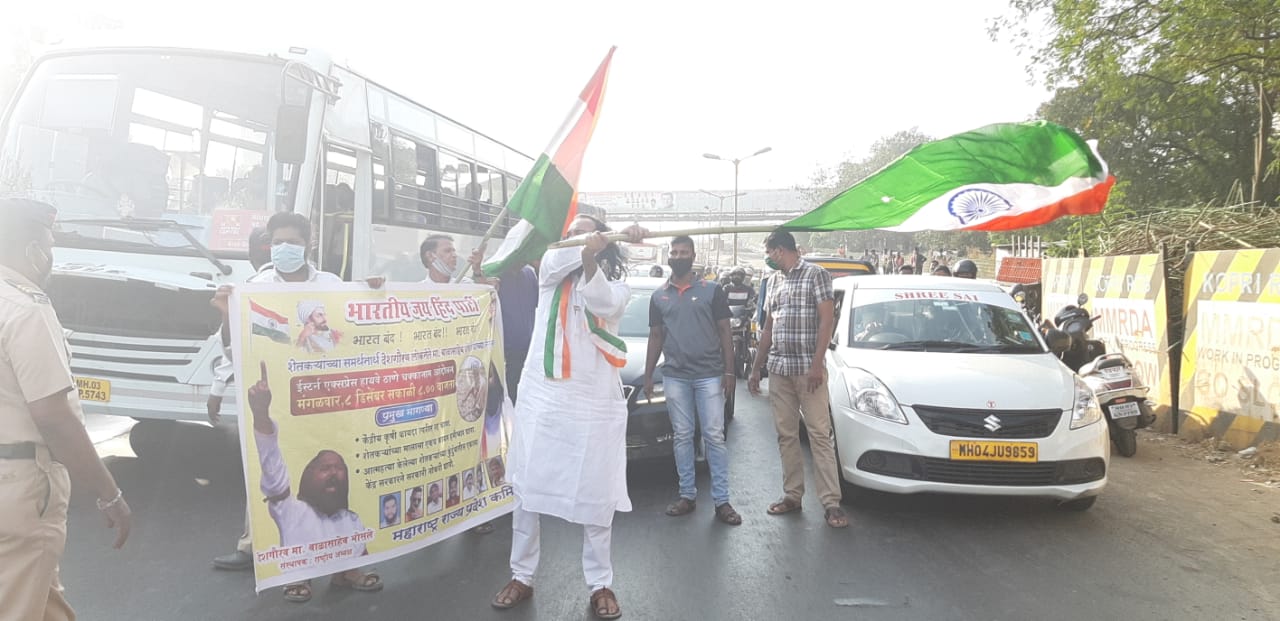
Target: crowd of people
[582,480]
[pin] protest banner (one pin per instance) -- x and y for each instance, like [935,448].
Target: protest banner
[1127,294]
[374,422]
[1231,355]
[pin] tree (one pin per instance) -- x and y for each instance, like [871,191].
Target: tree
[1186,87]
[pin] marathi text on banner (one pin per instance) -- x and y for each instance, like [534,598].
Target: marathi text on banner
[374,422]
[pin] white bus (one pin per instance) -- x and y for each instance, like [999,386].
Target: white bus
[162,160]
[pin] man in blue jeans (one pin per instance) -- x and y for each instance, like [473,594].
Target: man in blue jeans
[689,325]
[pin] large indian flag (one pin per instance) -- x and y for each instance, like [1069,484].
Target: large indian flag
[996,178]
[547,200]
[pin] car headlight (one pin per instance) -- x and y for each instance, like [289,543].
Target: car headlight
[1086,410]
[868,395]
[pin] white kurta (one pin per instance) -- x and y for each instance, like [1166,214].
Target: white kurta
[568,455]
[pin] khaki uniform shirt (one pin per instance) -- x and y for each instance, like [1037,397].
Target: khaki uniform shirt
[35,360]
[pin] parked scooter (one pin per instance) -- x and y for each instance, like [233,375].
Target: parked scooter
[1120,393]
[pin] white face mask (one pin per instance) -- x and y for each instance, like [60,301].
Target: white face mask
[440,266]
[288,258]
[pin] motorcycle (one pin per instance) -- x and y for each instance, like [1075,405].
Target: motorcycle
[741,324]
[1028,297]
[1120,394]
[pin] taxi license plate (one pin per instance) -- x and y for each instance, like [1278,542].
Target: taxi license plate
[92,389]
[1124,410]
[975,450]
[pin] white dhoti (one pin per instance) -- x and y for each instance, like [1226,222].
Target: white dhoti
[568,455]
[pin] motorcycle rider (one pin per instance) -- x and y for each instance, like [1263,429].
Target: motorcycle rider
[739,291]
[965,268]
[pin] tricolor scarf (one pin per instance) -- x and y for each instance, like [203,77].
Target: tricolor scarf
[556,360]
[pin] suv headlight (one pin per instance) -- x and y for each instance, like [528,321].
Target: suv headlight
[1086,410]
[868,395]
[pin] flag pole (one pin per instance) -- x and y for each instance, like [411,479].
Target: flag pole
[488,235]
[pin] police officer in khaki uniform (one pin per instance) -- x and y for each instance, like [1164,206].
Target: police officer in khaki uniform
[43,442]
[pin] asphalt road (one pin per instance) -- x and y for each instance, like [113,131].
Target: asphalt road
[1172,538]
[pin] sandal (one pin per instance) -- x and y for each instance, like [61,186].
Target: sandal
[298,592]
[680,507]
[512,594]
[367,582]
[836,518]
[602,601]
[726,514]
[786,505]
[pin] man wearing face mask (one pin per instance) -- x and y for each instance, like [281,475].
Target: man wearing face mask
[290,237]
[739,292]
[441,260]
[43,443]
[689,325]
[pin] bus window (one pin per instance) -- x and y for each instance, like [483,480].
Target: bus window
[338,230]
[450,168]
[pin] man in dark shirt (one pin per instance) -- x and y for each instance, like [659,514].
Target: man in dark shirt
[738,291]
[518,298]
[689,325]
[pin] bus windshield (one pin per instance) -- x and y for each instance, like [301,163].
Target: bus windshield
[153,135]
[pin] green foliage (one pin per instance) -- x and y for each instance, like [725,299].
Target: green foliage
[1179,92]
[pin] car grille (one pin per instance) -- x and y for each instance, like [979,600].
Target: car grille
[938,470]
[974,423]
[975,473]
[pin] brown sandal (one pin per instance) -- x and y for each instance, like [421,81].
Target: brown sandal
[680,507]
[511,595]
[726,514]
[298,592]
[368,582]
[836,517]
[602,600]
[786,505]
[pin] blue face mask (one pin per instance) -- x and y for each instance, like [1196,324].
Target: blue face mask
[288,258]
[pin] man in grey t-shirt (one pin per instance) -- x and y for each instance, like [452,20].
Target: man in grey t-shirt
[689,325]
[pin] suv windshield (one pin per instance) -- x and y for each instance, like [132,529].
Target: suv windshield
[149,135]
[941,325]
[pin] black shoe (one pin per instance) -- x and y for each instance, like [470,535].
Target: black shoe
[236,561]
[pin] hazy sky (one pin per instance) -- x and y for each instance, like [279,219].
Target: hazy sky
[817,81]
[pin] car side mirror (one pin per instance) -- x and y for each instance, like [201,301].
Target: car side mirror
[291,134]
[1058,340]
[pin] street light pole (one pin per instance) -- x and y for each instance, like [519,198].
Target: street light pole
[736,162]
[720,216]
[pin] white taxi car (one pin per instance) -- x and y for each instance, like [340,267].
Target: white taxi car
[942,385]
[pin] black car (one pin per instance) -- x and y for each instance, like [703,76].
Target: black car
[649,431]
